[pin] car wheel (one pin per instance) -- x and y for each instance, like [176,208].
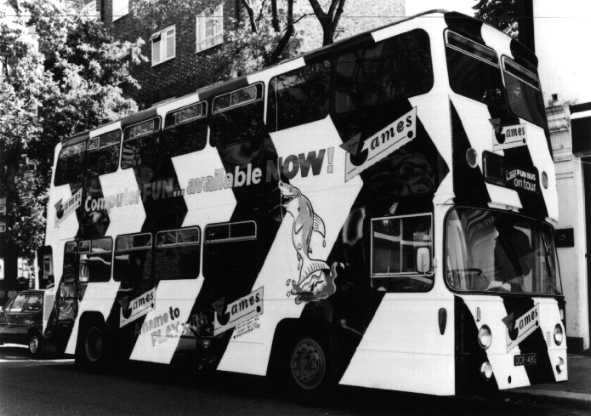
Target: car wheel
[92,350]
[35,344]
[310,368]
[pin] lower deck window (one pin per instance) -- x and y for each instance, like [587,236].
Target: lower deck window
[397,243]
[133,259]
[177,253]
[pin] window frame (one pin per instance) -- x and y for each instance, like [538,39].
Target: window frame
[230,239]
[260,96]
[205,15]
[170,113]
[162,46]
[431,271]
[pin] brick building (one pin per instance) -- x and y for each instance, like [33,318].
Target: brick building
[177,47]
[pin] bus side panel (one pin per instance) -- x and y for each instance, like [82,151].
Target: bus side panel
[330,199]
[403,348]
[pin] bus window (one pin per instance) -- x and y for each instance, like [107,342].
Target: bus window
[133,259]
[395,242]
[176,255]
[102,154]
[69,163]
[473,68]
[185,130]
[523,92]
[185,138]
[229,251]
[140,147]
[237,125]
[300,96]
[367,81]
[97,260]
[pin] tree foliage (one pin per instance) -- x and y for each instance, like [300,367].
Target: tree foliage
[60,73]
[503,14]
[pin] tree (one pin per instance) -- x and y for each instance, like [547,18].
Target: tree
[329,20]
[60,73]
[502,14]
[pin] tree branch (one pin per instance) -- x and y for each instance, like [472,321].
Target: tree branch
[317,9]
[250,12]
[275,16]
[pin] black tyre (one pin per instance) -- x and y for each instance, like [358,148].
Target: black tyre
[310,368]
[93,349]
[35,344]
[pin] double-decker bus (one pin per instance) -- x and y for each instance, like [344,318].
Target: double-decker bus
[375,213]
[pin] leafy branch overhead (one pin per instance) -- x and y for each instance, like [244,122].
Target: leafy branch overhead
[502,14]
[61,73]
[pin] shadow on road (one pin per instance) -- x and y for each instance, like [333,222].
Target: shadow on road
[345,400]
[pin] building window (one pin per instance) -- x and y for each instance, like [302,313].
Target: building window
[163,45]
[209,28]
[120,8]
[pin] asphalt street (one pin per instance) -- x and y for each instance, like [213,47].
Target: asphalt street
[56,386]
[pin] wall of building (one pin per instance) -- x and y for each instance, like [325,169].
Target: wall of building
[573,263]
[173,78]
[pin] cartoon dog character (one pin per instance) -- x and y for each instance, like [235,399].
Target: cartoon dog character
[313,282]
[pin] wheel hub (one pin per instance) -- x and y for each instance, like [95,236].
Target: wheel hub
[308,364]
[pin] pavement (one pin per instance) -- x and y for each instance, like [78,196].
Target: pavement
[576,390]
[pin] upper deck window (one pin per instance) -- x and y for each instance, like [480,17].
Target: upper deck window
[523,92]
[237,122]
[140,143]
[473,68]
[186,130]
[70,163]
[102,153]
[300,96]
[357,79]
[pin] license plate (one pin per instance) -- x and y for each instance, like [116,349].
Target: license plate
[525,359]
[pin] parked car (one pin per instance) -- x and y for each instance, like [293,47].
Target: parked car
[21,320]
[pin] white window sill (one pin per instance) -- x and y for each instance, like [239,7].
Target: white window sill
[163,61]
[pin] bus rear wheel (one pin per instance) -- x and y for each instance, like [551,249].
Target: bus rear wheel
[310,368]
[92,351]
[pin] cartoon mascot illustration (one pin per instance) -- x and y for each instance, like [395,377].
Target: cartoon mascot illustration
[314,282]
